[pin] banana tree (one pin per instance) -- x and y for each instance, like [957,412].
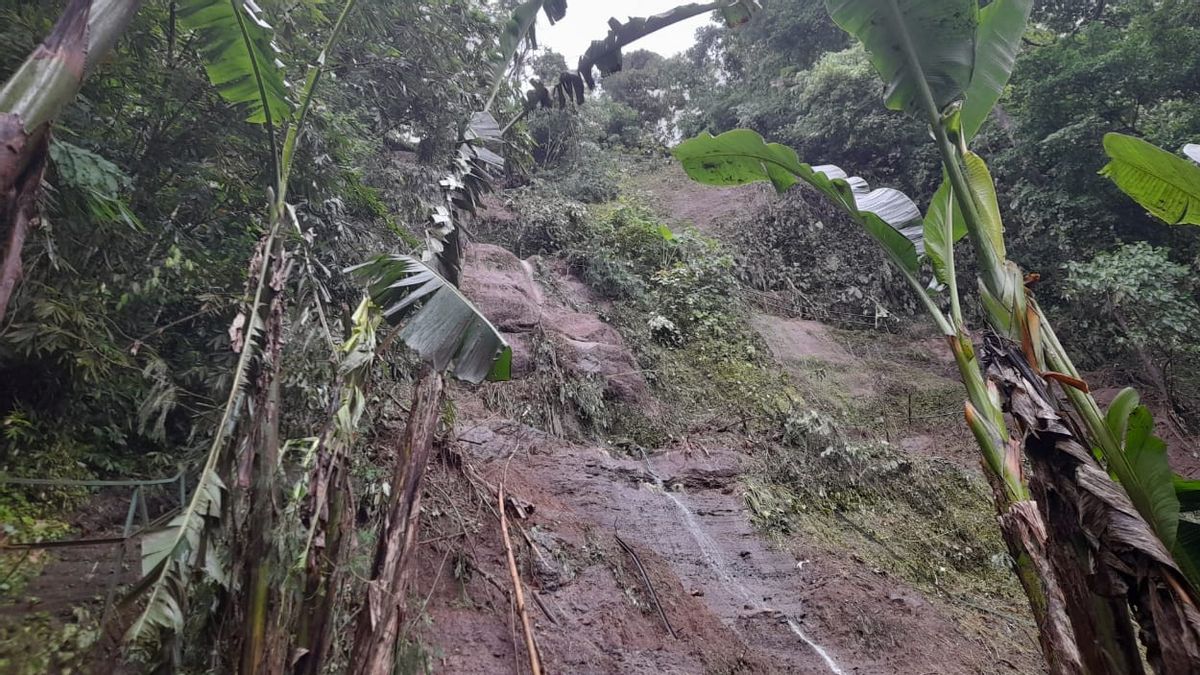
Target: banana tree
[1078,539]
[240,474]
[31,99]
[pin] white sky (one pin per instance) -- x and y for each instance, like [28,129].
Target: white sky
[587,20]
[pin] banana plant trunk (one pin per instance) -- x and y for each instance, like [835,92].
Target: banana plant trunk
[379,621]
[31,99]
[1103,551]
[1028,545]
[326,572]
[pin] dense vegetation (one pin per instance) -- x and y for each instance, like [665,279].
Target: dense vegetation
[162,182]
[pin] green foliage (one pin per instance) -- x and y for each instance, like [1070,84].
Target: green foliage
[240,56]
[1168,186]
[1139,294]
[1141,303]
[650,86]
[46,643]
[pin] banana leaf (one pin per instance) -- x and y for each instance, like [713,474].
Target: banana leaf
[914,43]
[997,41]
[240,56]
[1165,185]
[446,329]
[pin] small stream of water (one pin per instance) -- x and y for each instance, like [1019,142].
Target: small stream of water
[717,563]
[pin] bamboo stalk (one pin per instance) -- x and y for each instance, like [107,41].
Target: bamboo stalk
[535,665]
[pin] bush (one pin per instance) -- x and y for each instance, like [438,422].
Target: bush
[1141,304]
[805,249]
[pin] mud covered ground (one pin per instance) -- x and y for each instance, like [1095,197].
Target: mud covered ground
[734,596]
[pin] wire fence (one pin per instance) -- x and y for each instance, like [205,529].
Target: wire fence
[138,509]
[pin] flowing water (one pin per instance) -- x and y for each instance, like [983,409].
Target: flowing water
[717,563]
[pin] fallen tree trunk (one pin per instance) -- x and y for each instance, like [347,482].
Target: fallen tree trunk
[380,619]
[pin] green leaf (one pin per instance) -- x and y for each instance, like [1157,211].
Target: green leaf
[1187,490]
[1165,185]
[997,41]
[911,41]
[1147,455]
[240,56]
[1122,406]
[742,156]
[983,192]
[446,330]
[938,246]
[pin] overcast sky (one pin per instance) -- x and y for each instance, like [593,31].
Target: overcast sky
[587,20]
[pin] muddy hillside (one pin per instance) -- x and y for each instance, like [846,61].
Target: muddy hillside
[720,486]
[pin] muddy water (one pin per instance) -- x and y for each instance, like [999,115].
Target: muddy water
[724,573]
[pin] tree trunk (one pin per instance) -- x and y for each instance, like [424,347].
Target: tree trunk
[1101,547]
[326,573]
[32,98]
[380,619]
[19,208]
[1025,534]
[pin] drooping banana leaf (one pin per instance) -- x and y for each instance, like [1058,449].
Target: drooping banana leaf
[1152,485]
[997,41]
[1165,185]
[169,556]
[521,27]
[911,41]
[605,54]
[469,179]
[742,156]
[240,56]
[446,329]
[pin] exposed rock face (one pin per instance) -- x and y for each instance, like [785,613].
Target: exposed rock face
[503,287]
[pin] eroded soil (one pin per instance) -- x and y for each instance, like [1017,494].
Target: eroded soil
[733,600]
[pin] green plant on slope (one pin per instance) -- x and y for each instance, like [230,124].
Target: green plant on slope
[241,61]
[1070,531]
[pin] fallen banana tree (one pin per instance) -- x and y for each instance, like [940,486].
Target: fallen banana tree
[1093,554]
